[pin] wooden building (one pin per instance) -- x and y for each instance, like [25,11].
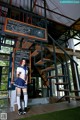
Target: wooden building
[39,31]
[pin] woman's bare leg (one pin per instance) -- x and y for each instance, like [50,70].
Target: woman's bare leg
[18,91]
[25,97]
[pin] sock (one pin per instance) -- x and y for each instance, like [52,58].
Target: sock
[18,102]
[25,100]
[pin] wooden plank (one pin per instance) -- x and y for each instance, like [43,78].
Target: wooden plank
[76,25]
[68,50]
[41,62]
[38,47]
[34,53]
[25,44]
[48,69]
[59,51]
[46,60]
[76,97]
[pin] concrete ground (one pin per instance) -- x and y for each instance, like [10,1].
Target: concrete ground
[41,109]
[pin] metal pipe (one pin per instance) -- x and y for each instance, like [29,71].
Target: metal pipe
[56,13]
[77,44]
[45,14]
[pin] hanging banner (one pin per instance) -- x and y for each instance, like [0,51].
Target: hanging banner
[17,28]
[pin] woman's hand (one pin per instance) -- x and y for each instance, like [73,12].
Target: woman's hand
[12,82]
[26,82]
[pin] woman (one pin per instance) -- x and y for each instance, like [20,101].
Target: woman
[21,84]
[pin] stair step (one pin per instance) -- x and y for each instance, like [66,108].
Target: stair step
[44,76]
[34,53]
[64,83]
[41,62]
[75,90]
[47,69]
[77,97]
[38,47]
[66,90]
[37,50]
[46,59]
[49,77]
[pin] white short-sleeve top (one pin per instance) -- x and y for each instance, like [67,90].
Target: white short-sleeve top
[22,72]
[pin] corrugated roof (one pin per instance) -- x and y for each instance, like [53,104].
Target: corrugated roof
[57,11]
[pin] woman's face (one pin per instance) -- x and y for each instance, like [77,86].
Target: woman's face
[23,62]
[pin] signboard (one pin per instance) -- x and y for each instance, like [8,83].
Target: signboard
[18,28]
[18,55]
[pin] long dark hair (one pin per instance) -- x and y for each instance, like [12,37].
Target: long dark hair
[27,61]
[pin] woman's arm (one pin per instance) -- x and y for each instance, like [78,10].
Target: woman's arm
[18,74]
[26,80]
